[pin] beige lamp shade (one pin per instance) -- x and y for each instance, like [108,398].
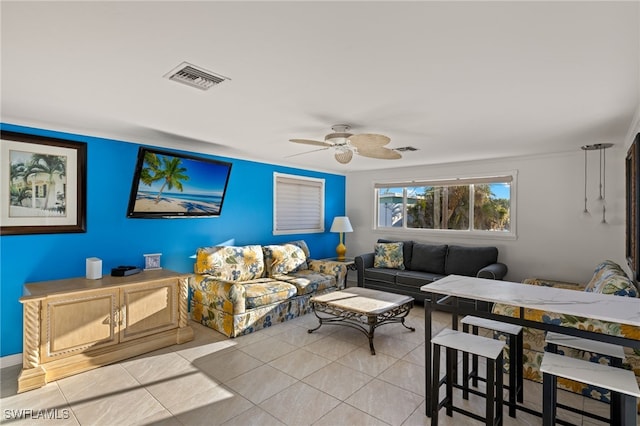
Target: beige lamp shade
[341,224]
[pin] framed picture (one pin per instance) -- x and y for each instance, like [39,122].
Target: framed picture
[43,183]
[632,174]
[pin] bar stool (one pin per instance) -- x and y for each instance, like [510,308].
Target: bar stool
[620,382]
[514,342]
[490,349]
[615,352]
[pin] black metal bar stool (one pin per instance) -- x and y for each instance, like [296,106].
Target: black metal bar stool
[468,344]
[614,352]
[620,382]
[514,343]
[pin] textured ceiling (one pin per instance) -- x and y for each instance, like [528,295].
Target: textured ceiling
[457,80]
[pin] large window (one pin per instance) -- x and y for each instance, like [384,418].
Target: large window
[298,206]
[478,205]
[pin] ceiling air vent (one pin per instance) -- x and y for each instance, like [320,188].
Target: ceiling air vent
[193,76]
[405,148]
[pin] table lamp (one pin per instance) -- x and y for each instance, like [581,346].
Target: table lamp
[341,224]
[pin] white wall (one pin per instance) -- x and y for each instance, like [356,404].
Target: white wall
[554,239]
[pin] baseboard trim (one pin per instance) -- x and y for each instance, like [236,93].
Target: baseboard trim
[10,360]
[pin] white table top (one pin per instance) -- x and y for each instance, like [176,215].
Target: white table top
[616,379]
[470,343]
[605,307]
[363,300]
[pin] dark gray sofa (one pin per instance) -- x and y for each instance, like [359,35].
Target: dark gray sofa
[425,263]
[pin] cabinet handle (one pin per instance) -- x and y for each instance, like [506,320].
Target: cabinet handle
[123,315]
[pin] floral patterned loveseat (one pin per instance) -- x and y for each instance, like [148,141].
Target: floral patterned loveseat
[238,290]
[608,278]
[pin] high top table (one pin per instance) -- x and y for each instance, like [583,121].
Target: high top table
[446,292]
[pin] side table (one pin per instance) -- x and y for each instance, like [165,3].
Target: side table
[349,262]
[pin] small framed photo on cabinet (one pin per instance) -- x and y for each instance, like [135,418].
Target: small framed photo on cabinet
[152,261]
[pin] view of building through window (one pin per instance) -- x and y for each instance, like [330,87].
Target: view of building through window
[446,206]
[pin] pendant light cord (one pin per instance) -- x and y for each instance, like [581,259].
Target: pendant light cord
[604,172]
[600,197]
[585,182]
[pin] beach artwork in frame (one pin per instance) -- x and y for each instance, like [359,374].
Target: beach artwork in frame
[174,184]
[42,185]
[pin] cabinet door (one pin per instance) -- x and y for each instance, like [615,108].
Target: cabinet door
[78,322]
[148,308]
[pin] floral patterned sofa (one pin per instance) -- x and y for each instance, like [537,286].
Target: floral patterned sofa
[608,278]
[238,290]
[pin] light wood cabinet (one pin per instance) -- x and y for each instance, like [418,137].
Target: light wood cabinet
[77,324]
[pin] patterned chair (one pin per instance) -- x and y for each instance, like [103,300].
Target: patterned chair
[608,278]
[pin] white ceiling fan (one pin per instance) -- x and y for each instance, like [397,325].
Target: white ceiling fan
[345,144]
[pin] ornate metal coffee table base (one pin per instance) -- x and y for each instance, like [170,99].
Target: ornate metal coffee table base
[361,309]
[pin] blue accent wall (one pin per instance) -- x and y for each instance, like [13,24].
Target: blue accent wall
[247,218]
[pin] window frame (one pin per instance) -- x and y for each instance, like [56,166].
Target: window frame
[505,177]
[307,181]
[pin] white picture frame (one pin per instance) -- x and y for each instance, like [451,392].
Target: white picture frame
[152,261]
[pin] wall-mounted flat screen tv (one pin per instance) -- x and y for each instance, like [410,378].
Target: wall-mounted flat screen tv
[168,184]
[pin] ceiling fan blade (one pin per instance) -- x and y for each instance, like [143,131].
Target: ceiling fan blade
[380,153]
[310,142]
[306,152]
[369,140]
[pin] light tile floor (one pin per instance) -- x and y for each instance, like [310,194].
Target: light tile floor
[278,376]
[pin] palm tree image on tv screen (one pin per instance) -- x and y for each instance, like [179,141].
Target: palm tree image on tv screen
[173,185]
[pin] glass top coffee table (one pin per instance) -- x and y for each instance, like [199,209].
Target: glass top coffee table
[361,308]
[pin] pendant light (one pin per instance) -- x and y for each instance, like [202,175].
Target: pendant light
[603,178]
[586,211]
[602,163]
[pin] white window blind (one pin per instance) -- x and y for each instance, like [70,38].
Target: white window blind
[448,182]
[298,204]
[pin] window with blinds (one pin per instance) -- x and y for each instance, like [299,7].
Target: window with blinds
[298,205]
[479,205]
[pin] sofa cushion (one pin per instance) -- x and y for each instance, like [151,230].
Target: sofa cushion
[230,263]
[308,281]
[469,260]
[416,279]
[407,250]
[388,255]
[265,292]
[282,259]
[609,278]
[428,258]
[305,248]
[381,274]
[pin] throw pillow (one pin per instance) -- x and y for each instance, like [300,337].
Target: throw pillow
[407,249]
[282,259]
[388,255]
[305,248]
[609,278]
[230,263]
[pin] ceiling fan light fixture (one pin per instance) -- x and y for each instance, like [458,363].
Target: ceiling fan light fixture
[343,156]
[370,145]
[338,139]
